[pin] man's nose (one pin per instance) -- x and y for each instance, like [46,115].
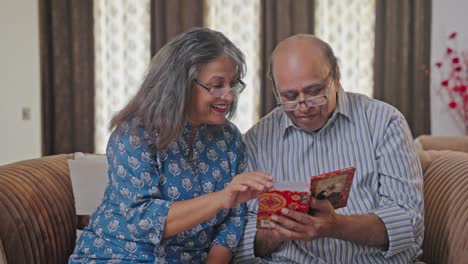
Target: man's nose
[303,107]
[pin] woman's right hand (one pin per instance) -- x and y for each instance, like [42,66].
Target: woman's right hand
[244,187]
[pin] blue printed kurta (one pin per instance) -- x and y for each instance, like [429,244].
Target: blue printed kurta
[143,183]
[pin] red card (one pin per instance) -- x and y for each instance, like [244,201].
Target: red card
[272,201]
[334,186]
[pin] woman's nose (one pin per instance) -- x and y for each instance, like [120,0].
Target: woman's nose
[228,96]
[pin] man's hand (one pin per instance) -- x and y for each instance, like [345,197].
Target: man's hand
[365,229]
[293,225]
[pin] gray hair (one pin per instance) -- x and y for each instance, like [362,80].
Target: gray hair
[160,106]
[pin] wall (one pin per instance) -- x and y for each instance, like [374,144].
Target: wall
[447,16]
[20,81]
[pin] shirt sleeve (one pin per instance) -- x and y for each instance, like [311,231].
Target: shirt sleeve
[401,206]
[135,196]
[245,251]
[229,233]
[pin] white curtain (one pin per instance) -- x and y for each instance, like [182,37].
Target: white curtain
[122,54]
[122,46]
[240,22]
[349,27]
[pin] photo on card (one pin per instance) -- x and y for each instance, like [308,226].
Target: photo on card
[334,186]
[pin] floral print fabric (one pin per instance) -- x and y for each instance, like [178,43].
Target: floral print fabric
[129,224]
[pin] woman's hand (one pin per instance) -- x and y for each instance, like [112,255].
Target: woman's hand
[244,187]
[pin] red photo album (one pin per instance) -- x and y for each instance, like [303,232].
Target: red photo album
[334,186]
[291,195]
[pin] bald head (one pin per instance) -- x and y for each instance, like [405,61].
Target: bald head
[302,47]
[303,67]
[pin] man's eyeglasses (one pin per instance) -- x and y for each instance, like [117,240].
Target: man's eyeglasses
[309,102]
[221,92]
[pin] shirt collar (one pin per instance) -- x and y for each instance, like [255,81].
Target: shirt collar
[342,108]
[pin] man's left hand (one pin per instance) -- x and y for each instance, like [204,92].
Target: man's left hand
[293,225]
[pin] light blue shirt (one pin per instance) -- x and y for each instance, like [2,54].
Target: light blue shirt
[128,226]
[362,132]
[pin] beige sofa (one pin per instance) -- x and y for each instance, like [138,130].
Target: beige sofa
[38,219]
[446,198]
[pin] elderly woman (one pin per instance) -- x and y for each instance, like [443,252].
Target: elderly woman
[176,185]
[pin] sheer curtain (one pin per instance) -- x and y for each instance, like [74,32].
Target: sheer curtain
[123,31]
[240,22]
[122,53]
[349,27]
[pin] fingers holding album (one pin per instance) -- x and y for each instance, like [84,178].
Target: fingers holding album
[320,206]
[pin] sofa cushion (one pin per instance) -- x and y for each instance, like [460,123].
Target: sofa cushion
[428,156]
[446,209]
[88,173]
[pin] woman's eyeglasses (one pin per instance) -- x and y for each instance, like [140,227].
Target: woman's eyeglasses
[221,92]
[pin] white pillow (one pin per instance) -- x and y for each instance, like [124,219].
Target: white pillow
[2,254]
[88,174]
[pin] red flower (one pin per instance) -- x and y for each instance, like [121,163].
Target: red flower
[453,35]
[453,69]
[462,88]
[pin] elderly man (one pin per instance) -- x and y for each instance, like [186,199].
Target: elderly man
[318,127]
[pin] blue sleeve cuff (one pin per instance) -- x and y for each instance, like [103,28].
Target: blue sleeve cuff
[160,209]
[230,232]
[245,252]
[399,229]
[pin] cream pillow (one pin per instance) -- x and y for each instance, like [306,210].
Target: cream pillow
[2,254]
[88,173]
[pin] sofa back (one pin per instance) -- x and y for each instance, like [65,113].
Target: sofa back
[454,143]
[446,206]
[444,160]
[37,211]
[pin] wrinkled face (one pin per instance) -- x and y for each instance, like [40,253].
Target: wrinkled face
[301,76]
[204,107]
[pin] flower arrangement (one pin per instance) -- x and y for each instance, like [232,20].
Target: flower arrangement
[453,70]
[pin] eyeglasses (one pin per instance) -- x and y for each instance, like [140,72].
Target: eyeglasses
[309,102]
[221,92]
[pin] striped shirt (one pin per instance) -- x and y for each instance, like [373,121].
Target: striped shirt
[368,134]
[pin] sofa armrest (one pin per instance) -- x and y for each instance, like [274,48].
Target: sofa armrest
[38,221]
